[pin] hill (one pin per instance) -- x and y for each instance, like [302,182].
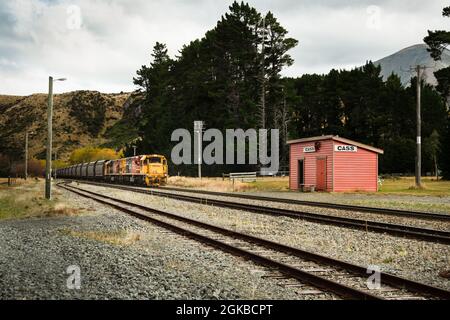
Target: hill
[401,62]
[80,118]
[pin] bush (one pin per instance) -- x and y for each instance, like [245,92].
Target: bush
[89,154]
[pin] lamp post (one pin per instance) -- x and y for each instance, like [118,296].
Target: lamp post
[198,130]
[27,133]
[48,163]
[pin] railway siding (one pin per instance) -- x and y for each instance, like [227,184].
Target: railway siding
[157,265]
[418,260]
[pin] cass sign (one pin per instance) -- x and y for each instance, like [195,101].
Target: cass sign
[345,148]
[309,149]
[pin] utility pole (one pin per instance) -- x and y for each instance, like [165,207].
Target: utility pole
[262,144]
[27,135]
[419,129]
[48,162]
[134,151]
[263,75]
[26,155]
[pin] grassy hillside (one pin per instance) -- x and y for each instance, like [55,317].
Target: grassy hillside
[80,118]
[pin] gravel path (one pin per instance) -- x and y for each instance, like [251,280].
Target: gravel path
[132,260]
[414,259]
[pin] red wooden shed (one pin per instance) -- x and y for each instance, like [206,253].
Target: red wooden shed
[332,163]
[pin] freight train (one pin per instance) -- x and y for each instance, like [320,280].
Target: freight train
[148,170]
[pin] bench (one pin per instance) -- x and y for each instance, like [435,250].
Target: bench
[307,188]
[242,176]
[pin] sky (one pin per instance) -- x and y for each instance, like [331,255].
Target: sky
[99,44]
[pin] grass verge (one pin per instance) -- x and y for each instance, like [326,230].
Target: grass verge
[25,200]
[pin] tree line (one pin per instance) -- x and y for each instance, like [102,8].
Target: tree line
[231,78]
[359,105]
[36,167]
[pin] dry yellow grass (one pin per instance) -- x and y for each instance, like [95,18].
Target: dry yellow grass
[220,185]
[26,199]
[406,186]
[213,184]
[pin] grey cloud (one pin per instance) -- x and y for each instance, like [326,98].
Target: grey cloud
[117,36]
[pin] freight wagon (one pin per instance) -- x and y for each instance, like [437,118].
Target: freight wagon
[148,170]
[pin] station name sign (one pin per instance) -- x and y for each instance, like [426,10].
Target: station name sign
[309,149]
[345,148]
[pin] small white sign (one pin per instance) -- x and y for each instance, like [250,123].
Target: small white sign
[309,149]
[345,148]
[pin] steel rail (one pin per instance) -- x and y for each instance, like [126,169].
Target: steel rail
[426,234]
[392,280]
[339,206]
[303,276]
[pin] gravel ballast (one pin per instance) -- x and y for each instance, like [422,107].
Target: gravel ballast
[424,203]
[417,260]
[121,257]
[421,223]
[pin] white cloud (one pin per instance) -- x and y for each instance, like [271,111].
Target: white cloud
[116,36]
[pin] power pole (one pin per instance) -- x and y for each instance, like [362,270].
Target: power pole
[48,163]
[26,155]
[419,129]
[134,150]
[263,75]
[262,144]
[48,158]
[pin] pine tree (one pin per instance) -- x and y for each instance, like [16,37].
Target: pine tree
[444,156]
[154,80]
[438,40]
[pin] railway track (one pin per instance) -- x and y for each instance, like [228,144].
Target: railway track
[372,226]
[326,274]
[385,211]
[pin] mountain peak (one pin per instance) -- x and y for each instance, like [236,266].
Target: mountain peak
[402,61]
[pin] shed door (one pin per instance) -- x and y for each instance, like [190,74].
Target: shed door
[301,173]
[321,174]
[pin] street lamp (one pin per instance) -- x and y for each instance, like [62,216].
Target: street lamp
[198,130]
[48,164]
[27,133]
